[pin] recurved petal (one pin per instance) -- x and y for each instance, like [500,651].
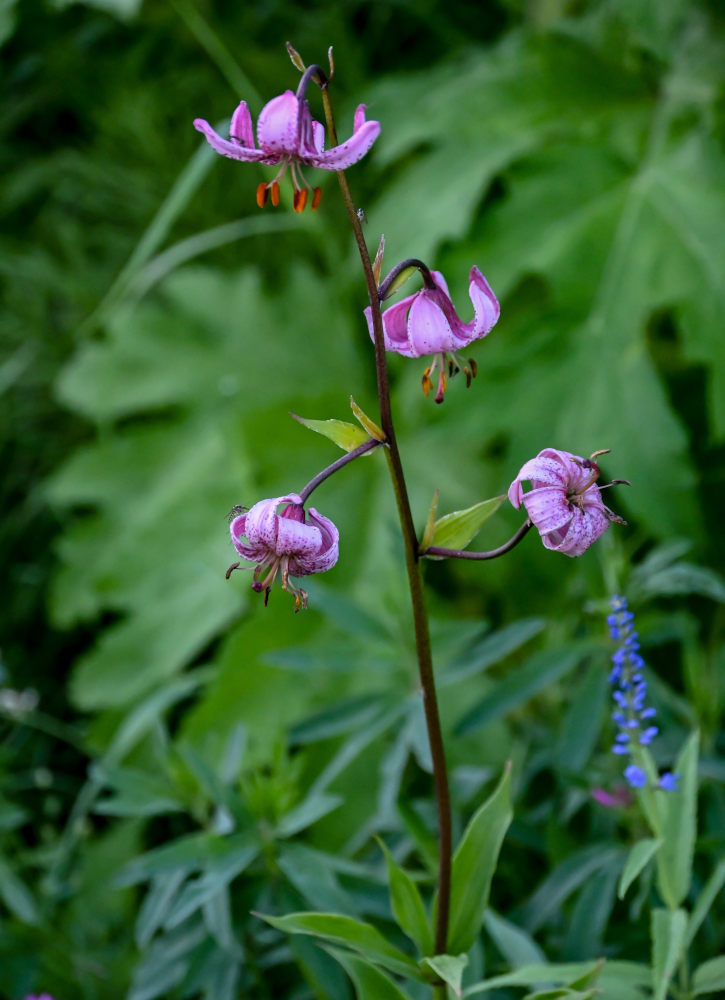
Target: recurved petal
[277,125]
[548,509]
[395,327]
[233,150]
[353,149]
[261,526]
[583,530]
[237,529]
[328,552]
[485,303]
[544,471]
[428,328]
[318,137]
[241,126]
[297,539]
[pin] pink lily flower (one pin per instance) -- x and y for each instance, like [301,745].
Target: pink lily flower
[291,542]
[427,323]
[287,134]
[564,502]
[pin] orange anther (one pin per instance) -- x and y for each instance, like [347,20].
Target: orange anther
[262,195]
[275,193]
[474,367]
[316,197]
[300,200]
[427,384]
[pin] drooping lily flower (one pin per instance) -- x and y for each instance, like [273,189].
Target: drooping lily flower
[564,502]
[287,134]
[293,543]
[427,323]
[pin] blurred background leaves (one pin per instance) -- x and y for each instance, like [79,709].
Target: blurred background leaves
[158,328]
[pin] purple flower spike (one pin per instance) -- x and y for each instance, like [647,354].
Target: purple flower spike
[427,324]
[288,135]
[564,502]
[669,781]
[293,543]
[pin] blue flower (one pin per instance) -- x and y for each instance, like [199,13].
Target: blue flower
[631,713]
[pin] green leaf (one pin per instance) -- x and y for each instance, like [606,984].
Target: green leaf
[16,896]
[529,975]
[427,537]
[541,670]
[314,807]
[157,904]
[706,898]
[455,530]
[449,968]
[369,425]
[407,905]
[640,855]
[344,435]
[474,864]
[370,983]
[709,977]
[678,812]
[354,934]
[514,943]
[669,929]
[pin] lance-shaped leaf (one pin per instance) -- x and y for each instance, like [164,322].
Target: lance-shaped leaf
[344,435]
[455,530]
[370,426]
[669,931]
[639,857]
[678,810]
[473,866]
[370,983]
[354,934]
[430,523]
[407,905]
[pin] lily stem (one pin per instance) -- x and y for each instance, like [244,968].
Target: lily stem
[415,579]
[362,449]
[436,550]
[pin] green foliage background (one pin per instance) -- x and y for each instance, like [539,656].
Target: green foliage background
[157,330]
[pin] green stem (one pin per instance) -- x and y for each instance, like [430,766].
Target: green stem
[415,580]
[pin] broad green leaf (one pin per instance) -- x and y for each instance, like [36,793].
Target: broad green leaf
[709,977]
[449,968]
[370,983]
[354,934]
[567,878]
[455,530]
[189,854]
[344,435]
[474,863]
[407,905]
[639,857]
[678,810]
[669,929]
[217,876]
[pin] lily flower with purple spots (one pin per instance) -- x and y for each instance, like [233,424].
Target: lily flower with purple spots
[564,503]
[288,135]
[291,543]
[427,324]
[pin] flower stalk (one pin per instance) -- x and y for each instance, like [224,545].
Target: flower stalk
[415,579]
